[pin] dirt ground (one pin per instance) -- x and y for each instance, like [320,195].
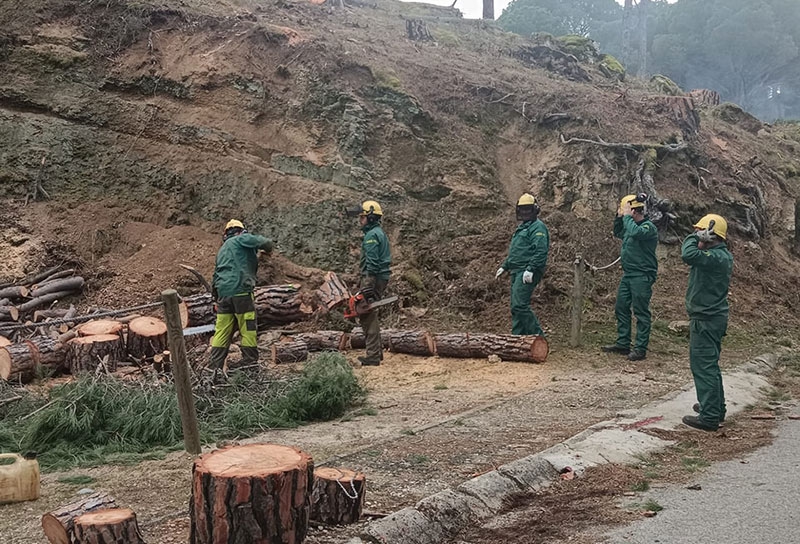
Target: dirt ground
[436,423]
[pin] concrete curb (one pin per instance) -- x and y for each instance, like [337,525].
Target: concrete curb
[615,441]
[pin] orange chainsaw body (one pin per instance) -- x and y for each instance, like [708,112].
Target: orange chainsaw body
[357,306]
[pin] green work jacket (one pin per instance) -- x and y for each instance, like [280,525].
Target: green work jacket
[639,241]
[237,264]
[529,247]
[709,279]
[376,257]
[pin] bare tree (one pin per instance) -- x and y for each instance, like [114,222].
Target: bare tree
[627,19]
[643,4]
[488,9]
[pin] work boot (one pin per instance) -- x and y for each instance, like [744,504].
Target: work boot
[697,423]
[366,361]
[637,355]
[696,408]
[218,356]
[614,348]
[249,356]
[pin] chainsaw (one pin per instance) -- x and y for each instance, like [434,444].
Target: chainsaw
[359,305]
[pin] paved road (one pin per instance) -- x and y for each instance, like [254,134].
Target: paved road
[751,503]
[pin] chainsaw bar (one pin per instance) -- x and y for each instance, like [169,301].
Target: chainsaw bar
[382,302]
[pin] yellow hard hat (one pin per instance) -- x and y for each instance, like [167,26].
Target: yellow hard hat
[371,207]
[526,200]
[720,225]
[633,199]
[234,224]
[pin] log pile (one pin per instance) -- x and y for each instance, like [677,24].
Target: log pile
[19,299]
[275,305]
[251,493]
[20,362]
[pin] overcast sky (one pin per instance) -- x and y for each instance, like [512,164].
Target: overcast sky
[472,9]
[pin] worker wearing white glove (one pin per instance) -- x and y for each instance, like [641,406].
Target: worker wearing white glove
[500,272]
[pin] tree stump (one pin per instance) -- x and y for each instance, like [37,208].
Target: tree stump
[58,525]
[337,496]
[146,337]
[18,362]
[85,353]
[324,340]
[100,326]
[110,526]
[289,352]
[251,493]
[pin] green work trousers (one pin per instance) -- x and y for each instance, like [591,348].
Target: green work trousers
[371,323]
[705,345]
[239,311]
[634,292]
[523,320]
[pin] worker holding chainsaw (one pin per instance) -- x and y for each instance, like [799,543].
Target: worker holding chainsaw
[376,258]
[527,257]
[706,252]
[640,267]
[232,292]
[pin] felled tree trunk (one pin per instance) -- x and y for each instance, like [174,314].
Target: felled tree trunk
[67,284]
[111,526]
[18,362]
[147,336]
[275,305]
[324,340]
[100,326]
[15,291]
[528,349]
[337,496]
[58,525]
[251,493]
[456,345]
[410,342]
[289,352]
[86,353]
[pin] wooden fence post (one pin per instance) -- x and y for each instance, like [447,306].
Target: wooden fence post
[797,226]
[579,267]
[180,371]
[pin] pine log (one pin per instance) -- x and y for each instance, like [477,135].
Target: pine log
[456,345]
[275,305]
[67,284]
[45,314]
[528,349]
[289,352]
[44,299]
[14,292]
[162,362]
[66,336]
[333,291]
[337,496]
[85,353]
[19,362]
[146,337]
[58,525]
[324,340]
[10,312]
[41,276]
[100,326]
[55,276]
[397,341]
[251,493]
[108,526]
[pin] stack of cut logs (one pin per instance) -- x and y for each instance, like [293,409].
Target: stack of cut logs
[530,349]
[94,519]
[21,299]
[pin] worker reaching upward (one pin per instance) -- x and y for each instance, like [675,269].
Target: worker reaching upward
[232,291]
[526,261]
[706,252]
[640,267]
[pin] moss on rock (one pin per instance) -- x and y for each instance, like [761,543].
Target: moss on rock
[612,68]
[665,85]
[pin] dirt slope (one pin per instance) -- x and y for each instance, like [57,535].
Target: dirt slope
[160,120]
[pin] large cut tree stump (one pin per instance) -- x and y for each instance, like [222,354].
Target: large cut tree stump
[19,362]
[146,337]
[111,526]
[324,340]
[59,524]
[410,342]
[100,326]
[337,496]
[85,353]
[256,493]
[289,352]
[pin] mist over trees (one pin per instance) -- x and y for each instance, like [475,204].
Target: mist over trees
[747,50]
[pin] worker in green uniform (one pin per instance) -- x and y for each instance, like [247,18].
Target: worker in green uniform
[526,261]
[706,252]
[376,259]
[232,291]
[639,265]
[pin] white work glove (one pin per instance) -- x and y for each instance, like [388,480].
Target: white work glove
[527,277]
[500,272]
[706,236]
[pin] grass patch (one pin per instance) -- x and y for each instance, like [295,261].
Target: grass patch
[78,479]
[94,421]
[641,486]
[439,387]
[651,505]
[693,464]
[418,459]
[408,432]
